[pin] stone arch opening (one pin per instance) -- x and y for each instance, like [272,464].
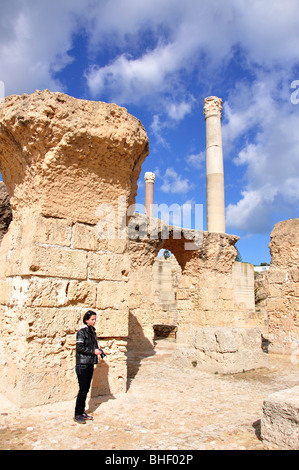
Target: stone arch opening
[183,250]
[166,277]
[155,283]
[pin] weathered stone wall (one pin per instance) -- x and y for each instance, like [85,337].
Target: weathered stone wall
[166,277]
[61,159]
[282,287]
[46,286]
[205,293]
[243,280]
[280,419]
[71,168]
[226,350]
[215,332]
[5,210]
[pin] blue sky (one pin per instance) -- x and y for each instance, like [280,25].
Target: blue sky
[160,59]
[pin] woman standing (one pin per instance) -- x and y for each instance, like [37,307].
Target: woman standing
[87,352]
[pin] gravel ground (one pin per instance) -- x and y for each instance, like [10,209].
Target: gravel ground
[165,408]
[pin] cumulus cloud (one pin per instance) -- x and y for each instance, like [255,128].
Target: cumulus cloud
[183,33]
[128,80]
[150,53]
[268,31]
[178,111]
[269,156]
[156,128]
[197,160]
[163,37]
[187,32]
[35,42]
[252,213]
[151,44]
[175,183]
[173,112]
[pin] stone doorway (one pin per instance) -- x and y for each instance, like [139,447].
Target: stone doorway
[165,332]
[166,273]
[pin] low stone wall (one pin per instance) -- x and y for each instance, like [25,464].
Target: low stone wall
[280,420]
[221,349]
[282,285]
[45,289]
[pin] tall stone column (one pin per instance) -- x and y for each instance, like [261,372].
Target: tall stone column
[214,160]
[149,179]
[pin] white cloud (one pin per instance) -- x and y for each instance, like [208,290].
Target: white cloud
[197,160]
[249,105]
[270,156]
[128,80]
[178,111]
[156,128]
[35,40]
[166,40]
[148,52]
[182,33]
[268,31]
[175,183]
[198,37]
[252,214]
[174,112]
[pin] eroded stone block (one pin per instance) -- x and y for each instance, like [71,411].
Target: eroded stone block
[280,420]
[221,349]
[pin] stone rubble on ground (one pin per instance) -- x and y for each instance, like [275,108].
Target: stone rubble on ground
[165,408]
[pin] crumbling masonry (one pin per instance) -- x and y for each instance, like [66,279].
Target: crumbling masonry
[71,168]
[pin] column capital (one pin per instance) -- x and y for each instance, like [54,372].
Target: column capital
[149,177]
[212,106]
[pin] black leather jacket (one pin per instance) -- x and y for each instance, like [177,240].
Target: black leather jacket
[86,343]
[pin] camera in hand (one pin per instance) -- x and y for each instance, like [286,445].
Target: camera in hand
[102,354]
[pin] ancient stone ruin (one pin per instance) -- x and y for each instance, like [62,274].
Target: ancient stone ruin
[282,288]
[5,210]
[75,243]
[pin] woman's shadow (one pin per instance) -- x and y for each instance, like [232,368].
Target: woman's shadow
[100,389]
[138,348]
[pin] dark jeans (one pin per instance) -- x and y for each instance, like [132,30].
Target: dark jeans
[84,373]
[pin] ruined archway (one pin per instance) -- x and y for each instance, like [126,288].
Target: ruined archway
[205,291]
[166,277]
[71,168]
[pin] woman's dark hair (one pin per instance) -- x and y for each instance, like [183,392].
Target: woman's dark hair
[87,315]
